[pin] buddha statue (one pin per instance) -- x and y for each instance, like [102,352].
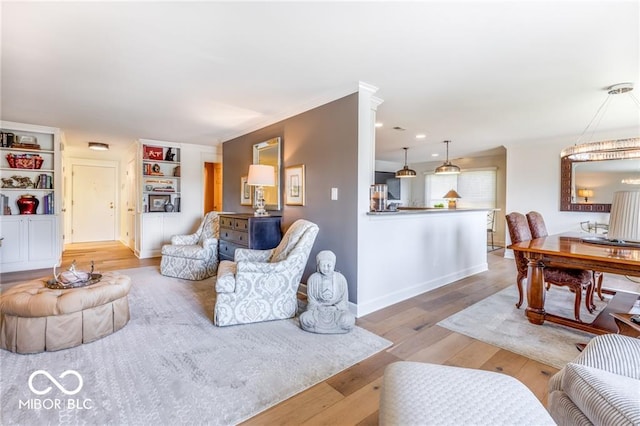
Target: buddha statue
[328,295]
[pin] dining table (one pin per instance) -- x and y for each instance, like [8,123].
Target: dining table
[575,250]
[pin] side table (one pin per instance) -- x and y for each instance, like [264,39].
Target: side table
[625,325]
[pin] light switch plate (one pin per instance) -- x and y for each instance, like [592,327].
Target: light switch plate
[334,194]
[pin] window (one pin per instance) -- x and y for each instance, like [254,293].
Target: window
[477,187]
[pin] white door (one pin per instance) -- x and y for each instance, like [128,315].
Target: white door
[130,224]
[93,198]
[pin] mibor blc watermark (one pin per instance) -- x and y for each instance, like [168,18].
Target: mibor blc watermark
[55,403]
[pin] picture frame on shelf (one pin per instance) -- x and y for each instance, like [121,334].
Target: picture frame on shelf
[294,185]
[152,152]
[245,192]
[157,202]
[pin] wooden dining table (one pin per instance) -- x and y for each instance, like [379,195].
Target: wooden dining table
[572,250]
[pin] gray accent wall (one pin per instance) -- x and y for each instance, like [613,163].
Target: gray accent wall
[325,140]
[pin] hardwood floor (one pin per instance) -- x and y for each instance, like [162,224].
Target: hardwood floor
[351,397]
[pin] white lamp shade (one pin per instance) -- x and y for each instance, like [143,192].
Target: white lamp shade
[624,220]
[261,175]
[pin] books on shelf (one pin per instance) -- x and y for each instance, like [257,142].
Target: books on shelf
[44,181]
[4,205]
[48,206]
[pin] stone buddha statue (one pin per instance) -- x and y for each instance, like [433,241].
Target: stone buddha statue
[328,295]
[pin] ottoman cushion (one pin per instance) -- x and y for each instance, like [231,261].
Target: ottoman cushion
[34,318]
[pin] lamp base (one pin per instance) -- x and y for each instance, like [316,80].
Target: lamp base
[260,211]
[452,204]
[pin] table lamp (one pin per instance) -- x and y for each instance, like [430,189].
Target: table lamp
[452,195]
[260,176]
[624,220]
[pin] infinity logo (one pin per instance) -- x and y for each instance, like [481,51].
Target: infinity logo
[55,382]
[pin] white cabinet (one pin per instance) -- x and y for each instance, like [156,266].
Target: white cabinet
[28,242]
[156,230]
[30,164]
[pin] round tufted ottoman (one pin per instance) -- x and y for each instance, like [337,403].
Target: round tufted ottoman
[34,318]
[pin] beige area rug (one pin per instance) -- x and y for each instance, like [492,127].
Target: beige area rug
[171,365]
[497,321]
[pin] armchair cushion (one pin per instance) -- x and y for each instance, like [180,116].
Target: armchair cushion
[604,397]
[601,385]
[251,255]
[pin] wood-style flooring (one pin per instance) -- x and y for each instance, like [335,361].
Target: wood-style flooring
[351,397]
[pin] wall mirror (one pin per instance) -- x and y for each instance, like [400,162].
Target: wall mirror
[588,186]
[268,153]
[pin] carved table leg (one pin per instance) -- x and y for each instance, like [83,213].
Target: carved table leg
[535,289]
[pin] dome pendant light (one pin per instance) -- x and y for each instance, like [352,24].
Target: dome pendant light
[447,168]
[405,172]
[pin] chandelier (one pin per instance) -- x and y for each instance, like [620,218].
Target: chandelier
[614,149]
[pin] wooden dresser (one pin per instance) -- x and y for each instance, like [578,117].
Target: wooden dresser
[247,231]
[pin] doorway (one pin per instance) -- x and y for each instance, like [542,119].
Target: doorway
[212,187]
[93,203]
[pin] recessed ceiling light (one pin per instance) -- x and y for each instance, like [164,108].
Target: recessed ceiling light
[98,146]
[421,136]
[378,124]
[435,155]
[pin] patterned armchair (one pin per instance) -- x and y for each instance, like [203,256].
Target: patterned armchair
[193,256]
[261,285]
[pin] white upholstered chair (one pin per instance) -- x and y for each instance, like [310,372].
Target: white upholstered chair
[193,256]
[261,285]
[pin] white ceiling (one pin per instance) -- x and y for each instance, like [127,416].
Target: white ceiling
[482,74]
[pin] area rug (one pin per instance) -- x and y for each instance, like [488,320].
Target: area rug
[171,365]
[496,320]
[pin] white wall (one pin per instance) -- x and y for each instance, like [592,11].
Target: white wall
[406,254]
[533,183]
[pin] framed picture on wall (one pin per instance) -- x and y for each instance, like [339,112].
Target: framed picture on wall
[294,185]
[245,192]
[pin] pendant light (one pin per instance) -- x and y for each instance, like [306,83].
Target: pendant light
[405,172]
[447,168]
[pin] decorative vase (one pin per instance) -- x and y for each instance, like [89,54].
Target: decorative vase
[27,204]
[168,207]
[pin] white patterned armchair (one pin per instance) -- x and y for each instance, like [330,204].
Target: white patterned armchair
[261,285]
[193,256]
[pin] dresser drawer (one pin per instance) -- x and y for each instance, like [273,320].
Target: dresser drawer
[241,224]
[226,222]
[233,236]
[226,250]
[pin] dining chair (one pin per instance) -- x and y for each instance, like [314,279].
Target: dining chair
[576,279]
[539,229]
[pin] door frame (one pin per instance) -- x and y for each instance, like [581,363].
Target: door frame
[68,192]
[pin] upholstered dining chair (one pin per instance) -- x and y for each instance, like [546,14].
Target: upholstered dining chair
[538,230]
[262,285]
[577,279]
[193,256]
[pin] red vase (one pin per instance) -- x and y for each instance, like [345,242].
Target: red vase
[27,204]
